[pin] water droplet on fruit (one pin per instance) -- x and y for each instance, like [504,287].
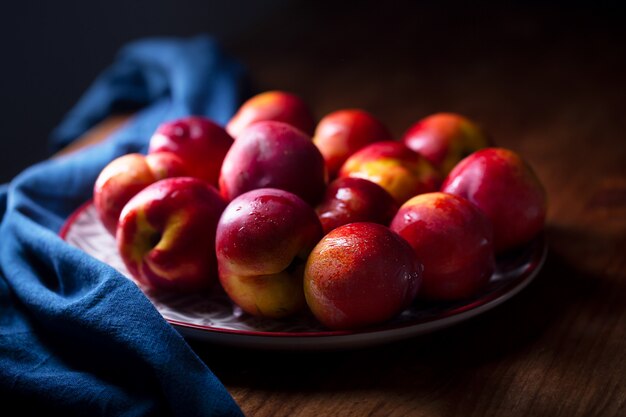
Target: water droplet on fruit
[179,131]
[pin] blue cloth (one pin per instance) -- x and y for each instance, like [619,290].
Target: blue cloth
[77,338]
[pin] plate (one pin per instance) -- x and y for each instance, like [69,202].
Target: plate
[212,317]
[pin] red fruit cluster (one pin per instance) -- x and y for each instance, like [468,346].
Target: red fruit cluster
[348,221]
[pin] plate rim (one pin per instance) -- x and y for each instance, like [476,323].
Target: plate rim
[411,328]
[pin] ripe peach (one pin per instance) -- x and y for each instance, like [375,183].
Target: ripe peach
[166,234]
[506,189]
[444,139]
[278,106]
[125,176]
[198,141]
[393,166]
[350,200]
[360,274]
[273,155]
[453,239]
[263,240]
[340,134]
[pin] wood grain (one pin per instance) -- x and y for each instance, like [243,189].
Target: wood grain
[96,134]
[547,82]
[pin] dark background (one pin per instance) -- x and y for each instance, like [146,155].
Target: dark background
[53,50]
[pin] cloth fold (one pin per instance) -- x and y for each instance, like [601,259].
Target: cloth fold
[76,337]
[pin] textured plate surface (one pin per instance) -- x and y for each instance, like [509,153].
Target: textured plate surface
[214,318]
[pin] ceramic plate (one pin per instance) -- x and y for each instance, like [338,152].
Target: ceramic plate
[214,318]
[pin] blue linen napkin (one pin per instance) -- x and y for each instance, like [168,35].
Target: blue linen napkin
[77,338]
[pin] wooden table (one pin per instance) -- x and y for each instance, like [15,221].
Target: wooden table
[548,83]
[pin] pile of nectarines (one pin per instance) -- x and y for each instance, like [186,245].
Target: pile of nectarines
[338,218]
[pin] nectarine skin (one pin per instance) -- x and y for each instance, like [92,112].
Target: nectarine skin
[341,133]
[506,189]
[444,139]
[166,234]
[274,155]
[453,239]
[360,274]
[390,164]
[263,240]
[350,200]
[278,106]
[198,141]
[125,176]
